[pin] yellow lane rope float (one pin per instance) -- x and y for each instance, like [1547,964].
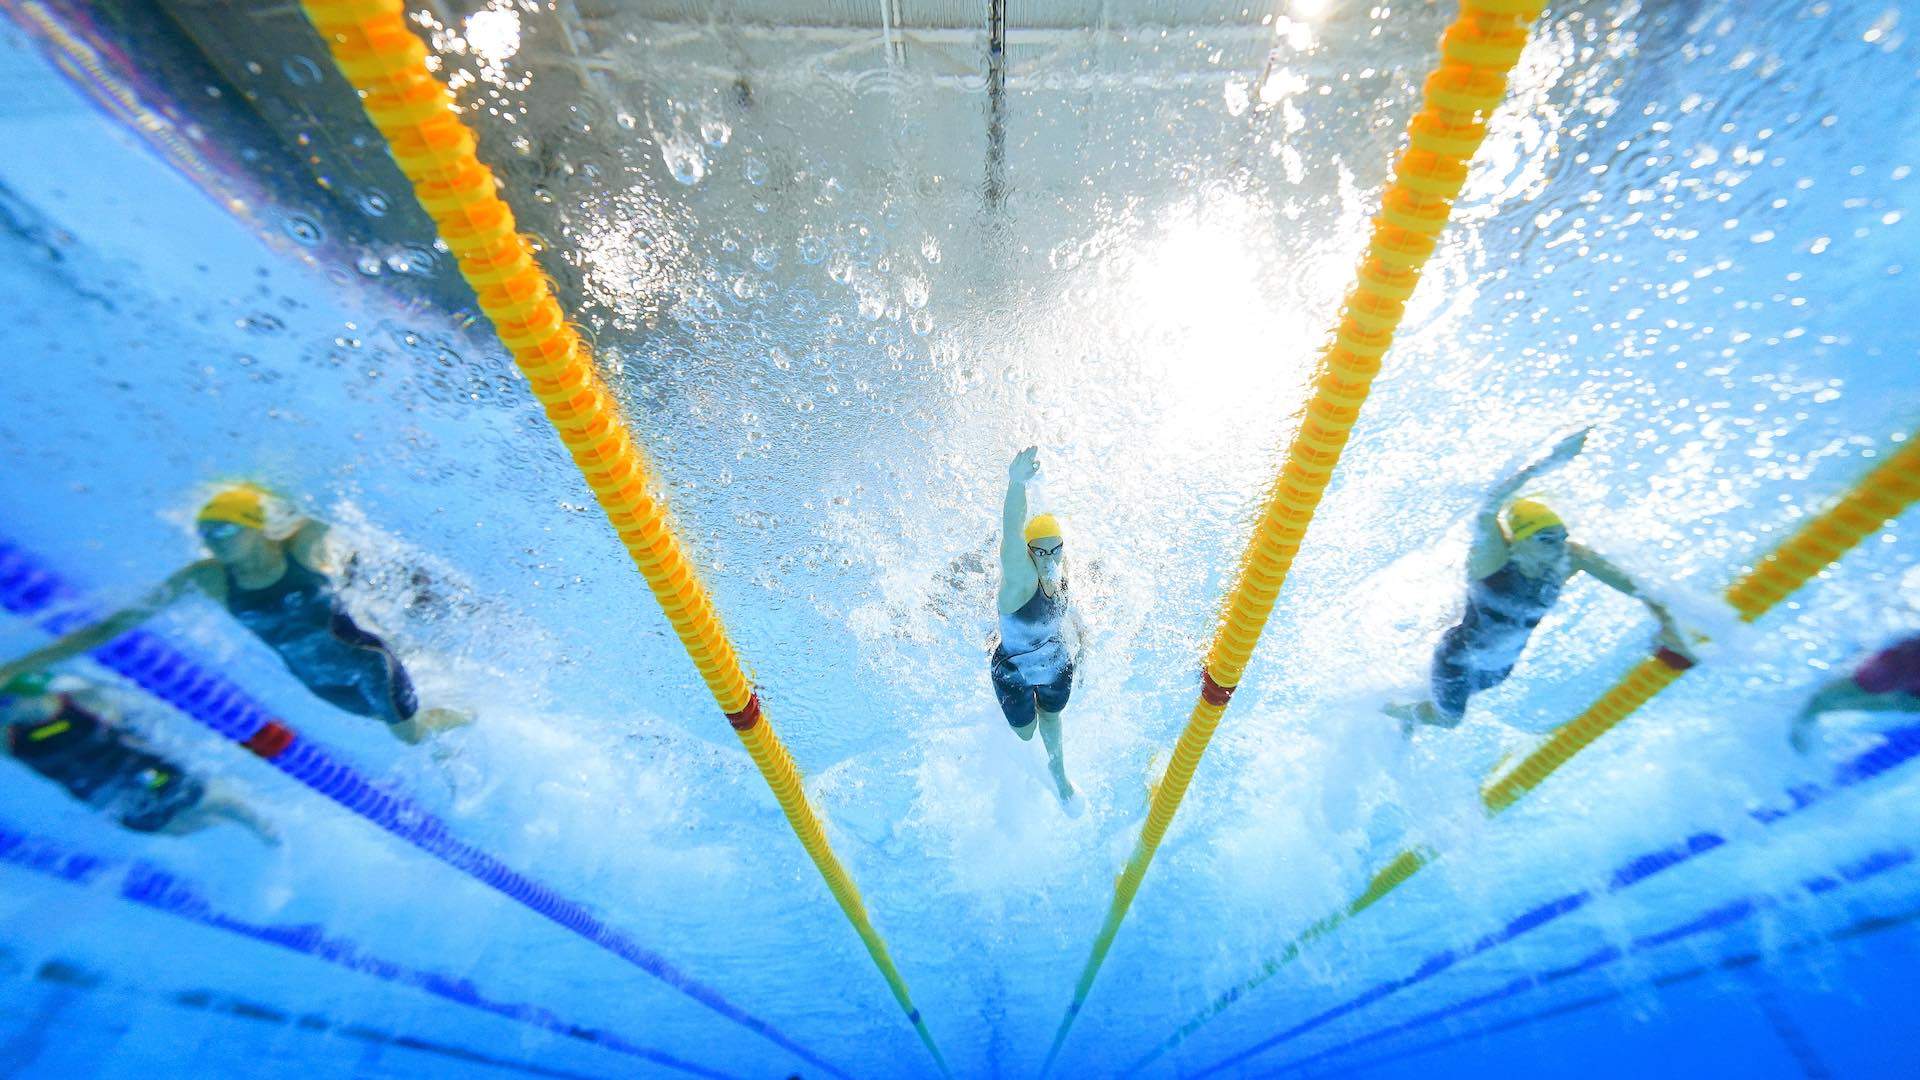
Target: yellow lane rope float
[1878,498]
[1477,52]
[387,64]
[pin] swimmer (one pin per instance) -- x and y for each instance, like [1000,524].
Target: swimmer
[1032,668]
[66,730]
[1515,576]
[1888,682]
[279,588]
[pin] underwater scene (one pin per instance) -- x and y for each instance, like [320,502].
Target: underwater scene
[1308,538]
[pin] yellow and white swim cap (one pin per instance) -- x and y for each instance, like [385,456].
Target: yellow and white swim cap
[242,504]
[1526,517]
[1042,526]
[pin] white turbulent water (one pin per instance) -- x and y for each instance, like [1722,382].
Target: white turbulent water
[1688,229]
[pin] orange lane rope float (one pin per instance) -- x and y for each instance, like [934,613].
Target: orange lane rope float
[387,64]
[1477,52]
[1879,497]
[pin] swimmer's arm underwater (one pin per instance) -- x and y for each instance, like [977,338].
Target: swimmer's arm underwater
[1618,580]
[1844,695]
[204,575]
[1489,552]
[308,545]
[98,703]
[1079,640]
[1018,578]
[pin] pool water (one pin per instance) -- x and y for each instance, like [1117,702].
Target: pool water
[832,312]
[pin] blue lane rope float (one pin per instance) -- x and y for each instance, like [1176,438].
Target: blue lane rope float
[31,589]
[1898,747]
[151,886]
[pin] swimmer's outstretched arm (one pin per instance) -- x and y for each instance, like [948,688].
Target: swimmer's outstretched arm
[1619,581]
[1018,578]
[1844,695]
[92,637]
[1489,551]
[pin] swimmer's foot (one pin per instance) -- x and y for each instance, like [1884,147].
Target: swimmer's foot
[1074,806]
[1413,715]
[1071,801]
[430,722]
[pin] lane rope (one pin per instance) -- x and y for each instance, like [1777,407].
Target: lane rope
[1477,52]
[388,64]
[148,885]
[31,589]
[1876,499]
[1896,747]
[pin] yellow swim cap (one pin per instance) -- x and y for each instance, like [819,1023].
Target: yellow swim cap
[242,504]
[1526,517]
[1042,525]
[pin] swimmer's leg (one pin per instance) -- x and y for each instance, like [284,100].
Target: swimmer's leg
[1452,685]
[1050,700]
[1015,696]
[419,724]
[220,803]
[1049,725]
[387,690]
[428,723]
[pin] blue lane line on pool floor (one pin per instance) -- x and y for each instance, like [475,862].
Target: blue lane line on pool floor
[32,590]
[1723,917]
[1872,924]
[155,888]
[1898,746]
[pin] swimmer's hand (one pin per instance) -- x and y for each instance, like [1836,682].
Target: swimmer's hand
[1566,449]
[1563,451]
[1025,464]
[1678,640]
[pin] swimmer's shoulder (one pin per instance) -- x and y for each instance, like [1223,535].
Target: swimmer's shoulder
[206,575]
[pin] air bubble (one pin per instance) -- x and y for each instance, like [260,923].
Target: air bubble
[303,229]
[300,71]
[684,160]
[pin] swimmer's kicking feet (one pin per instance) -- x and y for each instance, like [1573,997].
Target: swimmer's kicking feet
[282,589]
[1032,666]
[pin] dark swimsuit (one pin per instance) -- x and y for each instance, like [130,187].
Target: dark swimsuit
[1019,693]
[1479,653]
[98,766]
[302,620]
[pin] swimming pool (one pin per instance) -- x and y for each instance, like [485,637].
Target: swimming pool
[832,310]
